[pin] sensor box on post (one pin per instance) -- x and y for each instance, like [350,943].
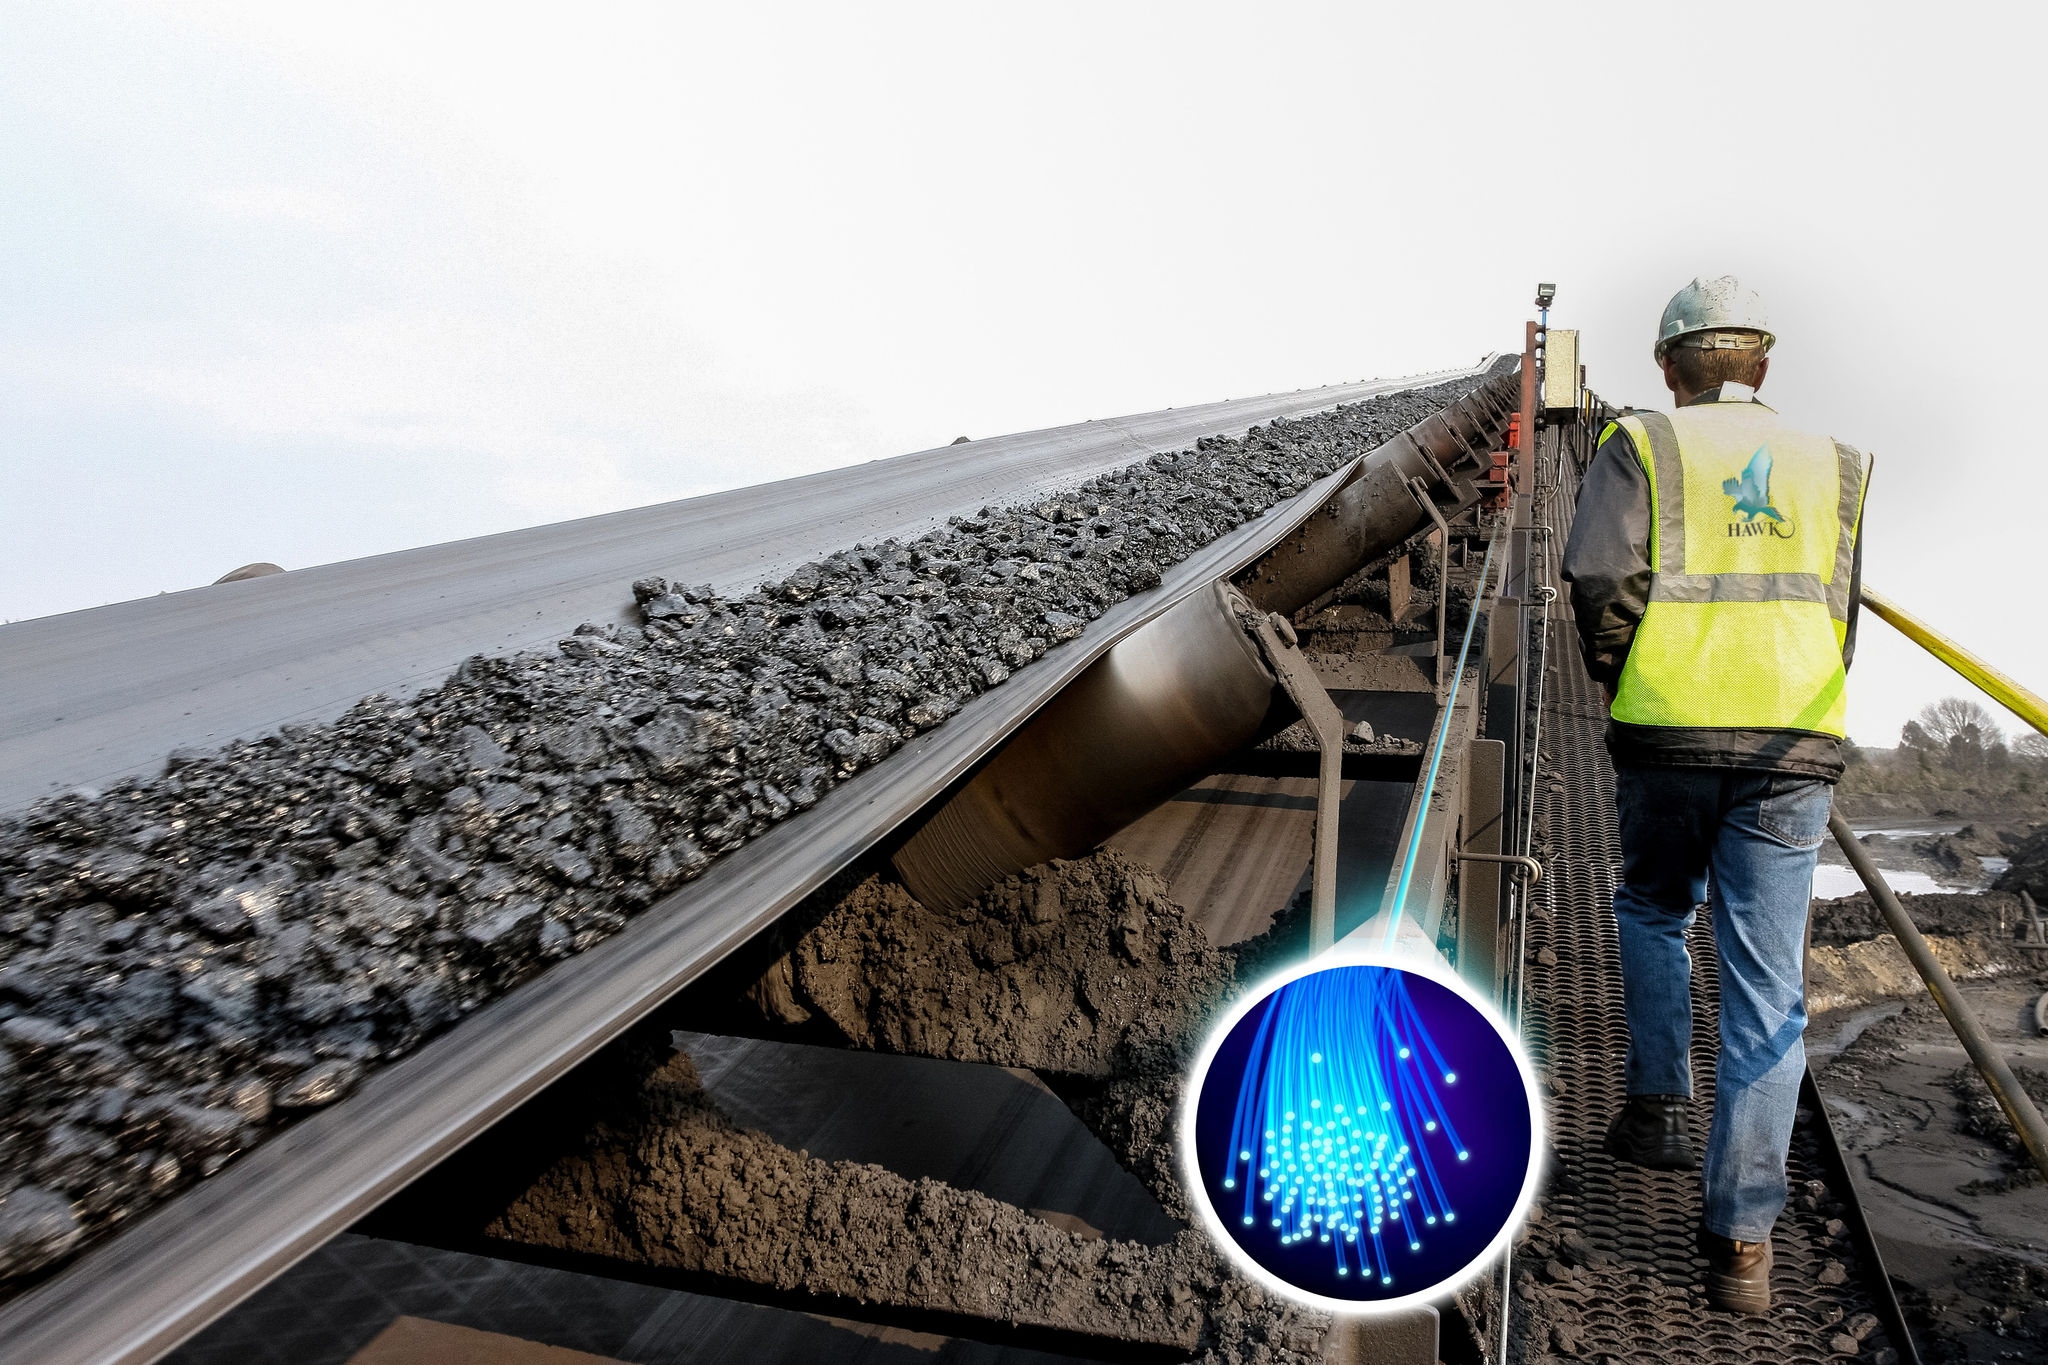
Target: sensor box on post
[1560,370]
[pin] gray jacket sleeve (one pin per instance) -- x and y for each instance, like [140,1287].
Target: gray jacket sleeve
[1607,558]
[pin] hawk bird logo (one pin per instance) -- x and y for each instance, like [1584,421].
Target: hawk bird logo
[1752,492]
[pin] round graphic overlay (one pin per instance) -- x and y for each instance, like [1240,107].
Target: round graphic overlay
[1361,1134]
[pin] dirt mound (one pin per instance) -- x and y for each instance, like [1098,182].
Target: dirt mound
[1850,974]
[1989,840]
[1992,915]
[667,1180]
[1086,971]
[1071,966]
[2029,869]
[1950,858]
[1954,859]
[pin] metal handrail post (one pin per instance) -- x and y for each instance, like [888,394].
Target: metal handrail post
[2005,1087]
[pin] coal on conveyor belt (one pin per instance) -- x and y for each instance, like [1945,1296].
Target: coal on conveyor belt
[187,962]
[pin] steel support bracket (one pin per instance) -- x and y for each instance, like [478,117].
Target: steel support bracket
[1277,642]
[1529,867]
[1443,575]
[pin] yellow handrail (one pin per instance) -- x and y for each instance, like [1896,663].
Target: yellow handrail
[2019,1107]
[2000,688]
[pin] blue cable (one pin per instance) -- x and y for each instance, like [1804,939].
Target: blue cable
[1443,729]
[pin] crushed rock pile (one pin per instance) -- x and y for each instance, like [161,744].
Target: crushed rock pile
[667,1180]
[189,961]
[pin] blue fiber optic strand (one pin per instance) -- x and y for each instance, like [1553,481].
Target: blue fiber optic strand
[1443,730]
[1340,1122]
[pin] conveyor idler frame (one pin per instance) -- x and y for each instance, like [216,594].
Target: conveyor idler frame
[1275,637]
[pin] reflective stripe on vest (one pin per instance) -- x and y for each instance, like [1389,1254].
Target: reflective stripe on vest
[1752,543]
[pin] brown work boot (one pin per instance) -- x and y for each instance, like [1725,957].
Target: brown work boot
[1651,1131]
[1738,1273]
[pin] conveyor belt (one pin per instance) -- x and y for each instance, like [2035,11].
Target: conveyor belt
[90,696]
[1647,1302]
[174,1270]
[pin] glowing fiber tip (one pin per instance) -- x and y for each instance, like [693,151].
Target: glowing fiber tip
[1337,1127]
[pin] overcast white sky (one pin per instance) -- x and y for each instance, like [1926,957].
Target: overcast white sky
[302,283]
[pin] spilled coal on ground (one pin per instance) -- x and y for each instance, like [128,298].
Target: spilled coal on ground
[189,962]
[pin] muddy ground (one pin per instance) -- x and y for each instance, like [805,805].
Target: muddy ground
[1960,1216]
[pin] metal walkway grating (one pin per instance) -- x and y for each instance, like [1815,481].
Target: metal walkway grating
[1635,1292]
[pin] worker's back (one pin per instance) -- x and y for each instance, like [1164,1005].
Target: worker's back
[1752,538]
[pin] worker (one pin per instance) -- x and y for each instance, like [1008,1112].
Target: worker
[1715,567]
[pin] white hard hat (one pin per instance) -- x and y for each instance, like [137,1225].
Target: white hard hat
[1718,305]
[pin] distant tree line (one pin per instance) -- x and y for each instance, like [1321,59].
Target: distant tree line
[1953,745]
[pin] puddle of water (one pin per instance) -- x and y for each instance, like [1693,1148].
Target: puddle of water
[1831,880]
[1851,1028]
[1904,833]
[1995,865]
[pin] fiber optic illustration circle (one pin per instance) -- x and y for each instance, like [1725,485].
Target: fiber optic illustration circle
[1362,1134]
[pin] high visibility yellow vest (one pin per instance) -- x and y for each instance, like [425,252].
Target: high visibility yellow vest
[1752,537]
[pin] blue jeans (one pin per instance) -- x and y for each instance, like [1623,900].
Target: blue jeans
[1759,835]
